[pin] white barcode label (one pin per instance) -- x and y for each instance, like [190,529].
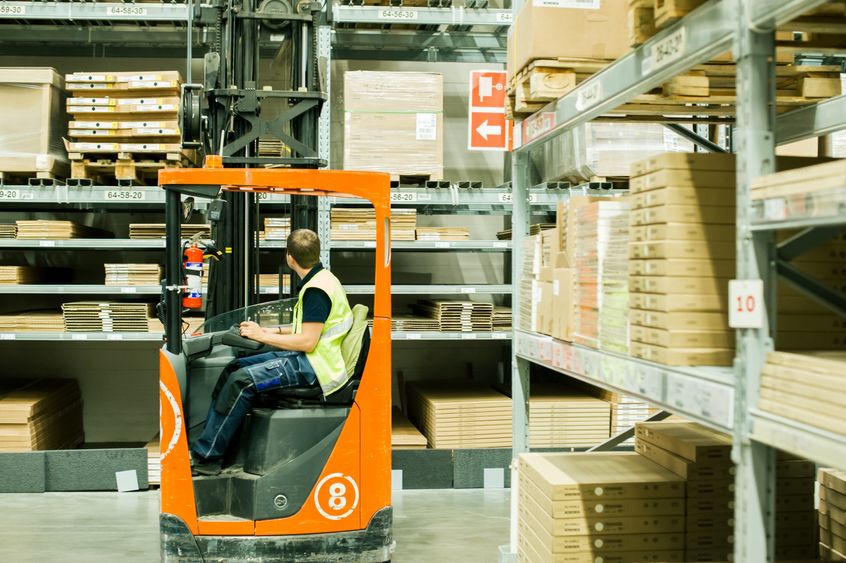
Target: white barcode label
[665,52]
[500,244]
[79,337]
[7,336]
[397,14]
[500,336]
[129,290]
[578,4]
[427,127]
[774,209]
[114,337]
[413,336]
[468,336]
[46,243]
[442,245]
[468,290]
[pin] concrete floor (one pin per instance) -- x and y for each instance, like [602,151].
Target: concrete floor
[441,525]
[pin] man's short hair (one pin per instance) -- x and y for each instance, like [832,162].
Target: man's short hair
[304,247]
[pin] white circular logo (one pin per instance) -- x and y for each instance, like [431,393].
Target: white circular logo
[336,496]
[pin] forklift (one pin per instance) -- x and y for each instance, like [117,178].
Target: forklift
[309,477]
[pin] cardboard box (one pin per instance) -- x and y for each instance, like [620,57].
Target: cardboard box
[679,321]
[682,249]
[682,338]
[678,303]
[684,161]
[684,196]
[690,440]
[678,285]
[543,31]
[393,122]
[683,356]
[682,231]
[546,311]
[682,214]
[31,135]
[563,306]
[721,181]
[681,268]
[684,468]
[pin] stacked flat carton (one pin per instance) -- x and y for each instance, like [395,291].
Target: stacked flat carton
[442,233]
[404,436]
[610,507]
[45,229]
[702,457]
[91,316]
[133,274]
[806,388]
[360,224]
[36,321]
[457,316]
[460,416]
[277,228]
[40,414]
[154,461]
[157,230]
[681,257]
[565,418]
[8,230]
[530,290]
[393,122]
[832,515]
[600,258]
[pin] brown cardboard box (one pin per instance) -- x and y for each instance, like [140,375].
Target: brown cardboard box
[684,468]
[692,441]
[683,356]
[678,303]
[682,214]
[31,135]
[684,161]
[682,268]
[684,196]
[563,307]
[679,321]
[683,339]
[542,32]
[546,312]
[393,122]
[682,249]
[682,231]
[721,180]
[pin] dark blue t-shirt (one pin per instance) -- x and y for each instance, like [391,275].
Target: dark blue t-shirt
[316,303]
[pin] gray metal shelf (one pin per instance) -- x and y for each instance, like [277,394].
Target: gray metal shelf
[95,11]
[428,246]
[95,195]
[814,209]
[434,289]
[79,289]
[85,244]
[703,394]
[83,336]
[485,336]
[454,16]
[817,119]
[825,448]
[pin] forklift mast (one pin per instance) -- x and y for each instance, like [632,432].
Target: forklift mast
[231,114]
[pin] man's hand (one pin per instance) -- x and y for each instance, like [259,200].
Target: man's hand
[251,330]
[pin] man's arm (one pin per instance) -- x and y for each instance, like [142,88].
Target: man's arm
[305,341]
[283,329]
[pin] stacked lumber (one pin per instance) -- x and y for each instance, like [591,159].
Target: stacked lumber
[35,321]
[404,436]
[15,275]
[91,316]
[599,507]
[272,280]
[442,233]
[806,388]
[158,230]
[414,323]
[702,457]
[8,230]
[133,274]
[124,124]
[40,414]
[501,319]
[44,229]
[360,224]
[457,316]
[277,228]
[681,257]
[600,253]
[460,416]
[566,418]
[832,518]
[154,461]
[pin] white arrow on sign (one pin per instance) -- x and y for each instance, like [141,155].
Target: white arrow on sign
[484,129]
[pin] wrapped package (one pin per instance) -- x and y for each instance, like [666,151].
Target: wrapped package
[31,135]
[393,122]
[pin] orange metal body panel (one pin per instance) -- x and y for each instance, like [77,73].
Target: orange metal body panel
[360,463]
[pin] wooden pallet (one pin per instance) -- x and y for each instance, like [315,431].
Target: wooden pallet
[123,168]
[545,80]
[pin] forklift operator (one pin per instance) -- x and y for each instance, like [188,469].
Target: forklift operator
[309,353]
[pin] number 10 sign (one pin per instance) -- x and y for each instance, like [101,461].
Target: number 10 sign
[746,304]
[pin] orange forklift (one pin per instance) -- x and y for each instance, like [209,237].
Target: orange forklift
[309,479]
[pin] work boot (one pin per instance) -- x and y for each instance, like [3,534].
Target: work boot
[205,467]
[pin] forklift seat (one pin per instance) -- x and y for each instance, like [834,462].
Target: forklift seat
[356,359]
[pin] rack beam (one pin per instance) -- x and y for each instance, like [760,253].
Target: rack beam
[822,118]
[95,11]
[454,16]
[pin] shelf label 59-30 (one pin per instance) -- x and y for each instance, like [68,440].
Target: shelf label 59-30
[12,10]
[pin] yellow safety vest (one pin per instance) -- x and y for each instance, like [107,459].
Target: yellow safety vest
[326,358]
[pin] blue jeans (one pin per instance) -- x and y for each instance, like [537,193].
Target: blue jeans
[237,388]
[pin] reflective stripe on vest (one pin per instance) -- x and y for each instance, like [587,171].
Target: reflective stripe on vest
[326,358]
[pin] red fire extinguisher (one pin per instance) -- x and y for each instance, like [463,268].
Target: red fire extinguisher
[193,266]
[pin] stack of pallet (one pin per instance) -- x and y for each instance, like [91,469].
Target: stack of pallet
[442,233]
[460,416]
[806,388]
[277,228]
[40,414]
[133,274]
[125,125]
[8,230]
[681,258]
[360,224]
[832,514]
[457,316]
[158,230]
[43,229]
[404,436]
[92,316]
[564,418]
[599,507]
[154,461]
[702,457]
[600,251]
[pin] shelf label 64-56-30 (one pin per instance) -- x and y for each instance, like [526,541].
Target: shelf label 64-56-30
[397,14]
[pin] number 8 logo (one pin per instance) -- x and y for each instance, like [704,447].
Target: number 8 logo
[340,488]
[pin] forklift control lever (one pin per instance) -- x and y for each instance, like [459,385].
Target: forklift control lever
[233,338]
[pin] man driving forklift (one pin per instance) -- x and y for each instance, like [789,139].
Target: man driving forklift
[309,353]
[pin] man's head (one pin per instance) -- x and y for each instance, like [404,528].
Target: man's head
[303,249]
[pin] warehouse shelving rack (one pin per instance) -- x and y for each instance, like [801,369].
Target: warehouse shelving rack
[724,399]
